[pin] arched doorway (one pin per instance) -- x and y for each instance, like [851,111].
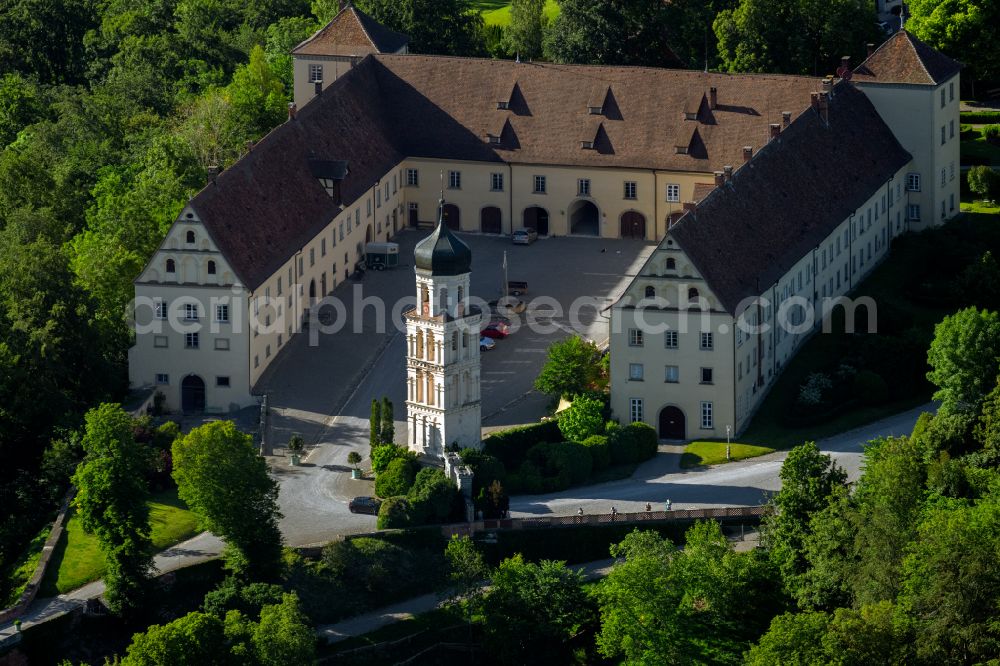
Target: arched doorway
[193,394]
[452,217]
[672,423]
[368,234]
[489,220]
[584,218]
[537,218]
[633,225]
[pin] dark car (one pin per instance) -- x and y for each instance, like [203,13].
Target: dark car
[369,505]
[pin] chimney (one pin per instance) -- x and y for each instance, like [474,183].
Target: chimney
[845,62]
[317,88]
[249,146]
[786,118]
[824,106]
[727,171]
[720,178]
[747,153]
[689,206]
[713,97]
[775,130]
[871,49]
[292,110]
[828,85]
[213,173]
[814,100]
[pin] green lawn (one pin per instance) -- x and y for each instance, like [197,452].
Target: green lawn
[497,12]
[77,559]
[713,453]
[18,578]
[979,149]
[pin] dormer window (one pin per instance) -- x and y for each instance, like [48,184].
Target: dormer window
[503,105]
[211,268]
[671,264]
[190,237]
[171,266]
[595,110]
[588,145]
[328,185]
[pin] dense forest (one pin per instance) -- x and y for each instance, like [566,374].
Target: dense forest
[111,111]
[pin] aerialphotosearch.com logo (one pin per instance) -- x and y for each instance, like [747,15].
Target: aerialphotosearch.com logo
[265,315]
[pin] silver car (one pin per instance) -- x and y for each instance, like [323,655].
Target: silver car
[524,236]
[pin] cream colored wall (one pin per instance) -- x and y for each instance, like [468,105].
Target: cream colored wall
[333,68]
[607,189]
[915,115]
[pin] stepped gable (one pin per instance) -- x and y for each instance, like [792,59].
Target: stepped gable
[789,197]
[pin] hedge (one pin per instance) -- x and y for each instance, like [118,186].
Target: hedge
[397,478]
[632,443]
[511,446]
[585,543]
[600,452]
[980,117]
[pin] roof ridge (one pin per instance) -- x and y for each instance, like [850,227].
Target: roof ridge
[913,45]
[364,28]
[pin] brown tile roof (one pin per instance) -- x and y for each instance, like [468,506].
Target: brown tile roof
[268,205]
[702,190]
[352,32]
[451,103]
[794,192]
[905,59]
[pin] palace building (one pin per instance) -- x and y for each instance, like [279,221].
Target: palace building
[743,180]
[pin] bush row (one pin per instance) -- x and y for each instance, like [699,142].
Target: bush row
[980,117]
[416,497]
[511,446]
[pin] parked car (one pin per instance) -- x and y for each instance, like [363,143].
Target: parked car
[486,344]
[511,306]
[517,287]
[496,331]
[524,236]
[364,504]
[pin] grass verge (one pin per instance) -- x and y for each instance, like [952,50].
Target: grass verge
[20,573]
[713,453]
[78,560]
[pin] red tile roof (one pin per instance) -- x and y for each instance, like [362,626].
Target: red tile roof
[905,59]
[352,32]
[789,197]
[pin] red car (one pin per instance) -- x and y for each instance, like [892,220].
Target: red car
[497,331]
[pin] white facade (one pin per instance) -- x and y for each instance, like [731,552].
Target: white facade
[442,367]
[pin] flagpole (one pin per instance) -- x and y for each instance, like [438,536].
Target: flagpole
[505,285]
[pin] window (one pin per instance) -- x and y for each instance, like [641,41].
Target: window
[913,182]
[913,212]
[342,230]
[160,341]
[160,309]
[171,266]
[706,341]
[635,372]
[942,135]
[190,311]
[222,344]
[312,257]
[583,187]
[634,337]
[222,313]
[707,421]
[454,180]
[951,91]
[539,185]
[706,375]
[496,182]
[630,189]
[315,73]
[692,294]
[322,247]
[412,178]
[279,339]
[267,351]
[302,266]
[357,219]
[162,378]
[670,340]
[942,98]
[191,340]
[189,237]
[951,201]
[671,374]
[944,177]
[650,292]
[635,409]
[951,171]
[671,264]
[369,210]
[222,382]
[673,192]
[211,268]
[256,361]
[951,129]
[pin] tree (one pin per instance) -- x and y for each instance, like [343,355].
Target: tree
[523,35]
[195,639]
[45,39]
[439,27]
[353,458]
[221,477]
[258,97]
[283,635]
[466,573]
[965,359]
[798,39]
[387,429]
[375,425]
[384,454]
[611,32]
[433,495]
[532,609]
[808,480]
[571,367]
[111,500]
[395,512]
[583,418]
[397,478]
[794,638]
[967,30]
[984,181]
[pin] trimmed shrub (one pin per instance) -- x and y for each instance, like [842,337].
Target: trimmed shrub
[632,443]
[600,453]
[979,117]
[385,454]
[394,513]
[992,133]
[561,464]
[870,388]
[486,469]
[582,419]
[248,598]
[397,478]
[511,446]
[527,479]
[433,497]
